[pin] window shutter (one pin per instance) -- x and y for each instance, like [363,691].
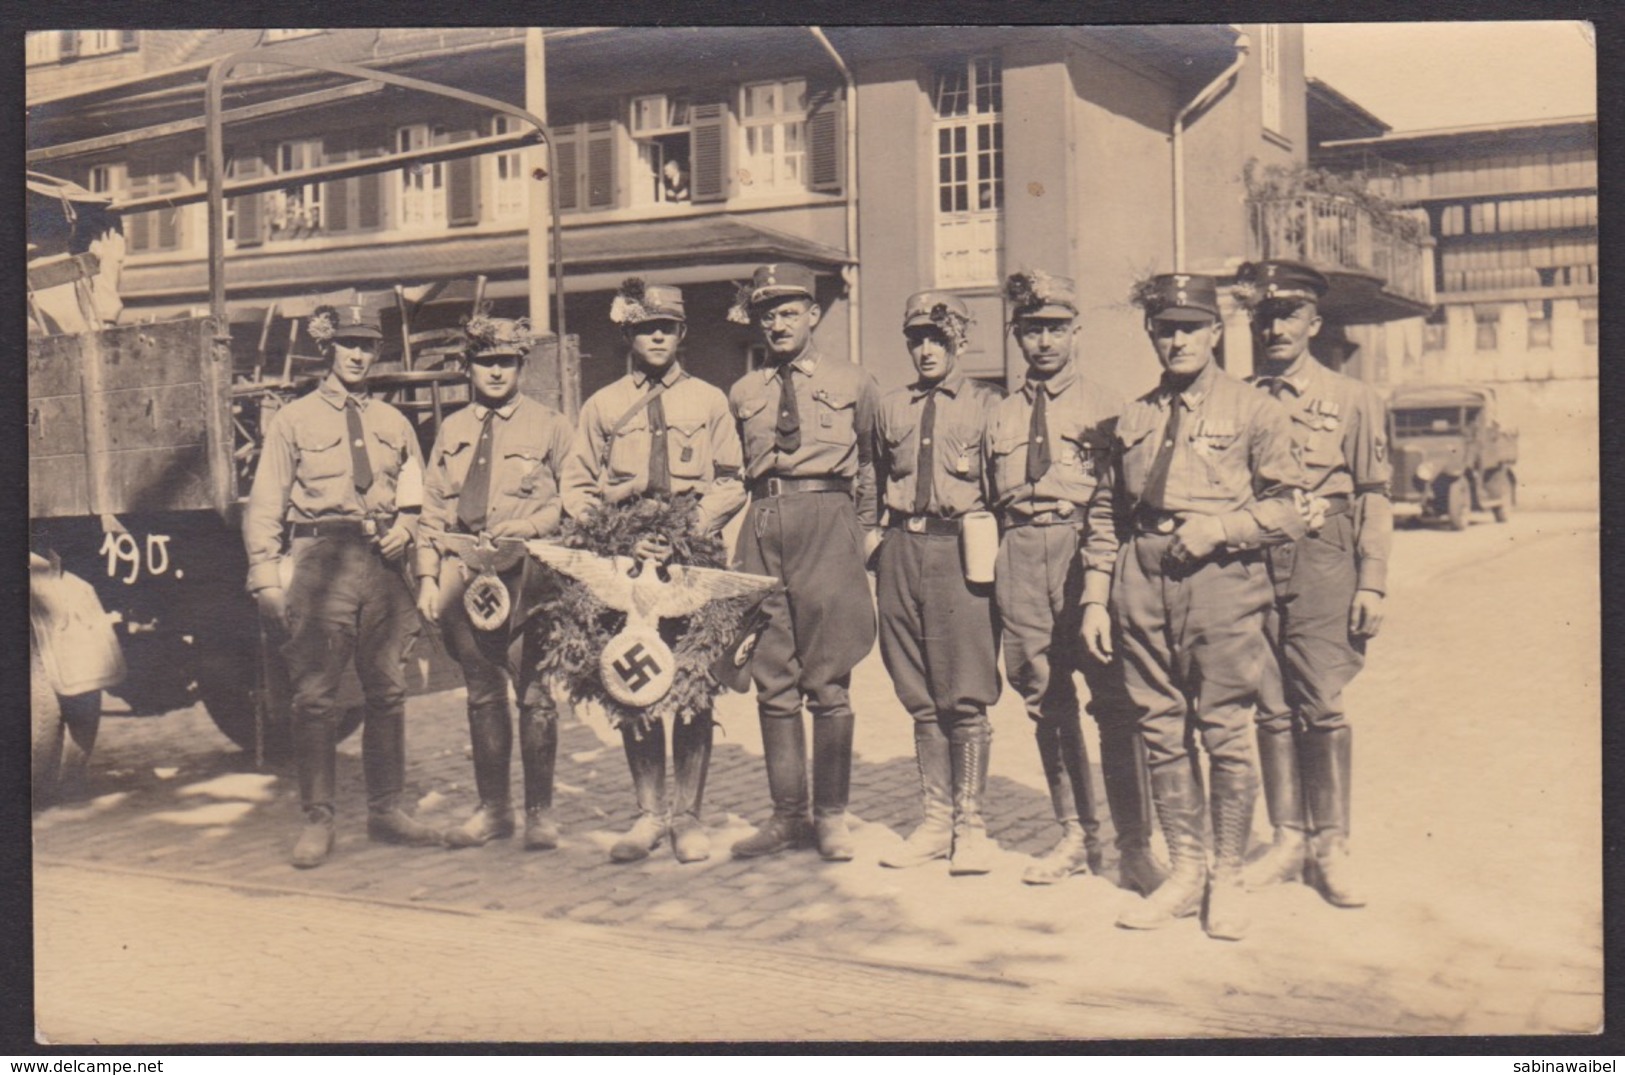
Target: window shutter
[138,226]
[250,209]
[70,44]
[568,180]
[462,186]
[336,195]
[128,39]
[169,218]
[826,139]
[601,165]
[369,191]
[708,169]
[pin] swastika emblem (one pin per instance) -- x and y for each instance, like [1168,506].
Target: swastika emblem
[637,667]
[487,603]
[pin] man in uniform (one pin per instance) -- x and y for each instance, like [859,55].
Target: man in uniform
[806,423]
[1328,586]
[1048,453]
[938,633]
[494,471]
[325,538]
[1210,478]
[658,432]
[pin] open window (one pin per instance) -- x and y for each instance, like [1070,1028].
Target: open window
[662,132]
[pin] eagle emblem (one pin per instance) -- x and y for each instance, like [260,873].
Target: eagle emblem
[637,666]
[485,599]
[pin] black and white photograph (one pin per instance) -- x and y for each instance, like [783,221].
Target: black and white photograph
[789,533]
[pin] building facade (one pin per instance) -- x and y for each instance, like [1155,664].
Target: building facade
[890,159]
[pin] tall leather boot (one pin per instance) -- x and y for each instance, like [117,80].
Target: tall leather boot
[832,783]
[1128,796]
[317,762]
[490,733]
[973,850]
[383,761]
[1235,788]
[690,760]
[1065,758]
[1278,749]
[784,747]
[538,756]
[934,838]
[646,757]
[1327,771]
[1177,793]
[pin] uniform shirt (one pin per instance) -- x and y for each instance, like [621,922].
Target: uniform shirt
[606,464]
[1078,414]
[835,402]
[964,409]
[1339,426]
[305,472]
[529,441]
[1234,459]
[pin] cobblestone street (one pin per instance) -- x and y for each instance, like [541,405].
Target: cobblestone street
[166,910]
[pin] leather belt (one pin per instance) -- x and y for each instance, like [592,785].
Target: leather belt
[359,529]
[1044,518]
[1152,521]
[775,486]
[924,524]
[1338,504]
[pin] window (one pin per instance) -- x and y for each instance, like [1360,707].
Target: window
[773,129]
[662,134]
[51,46]
[1436,331]
[969,133]
[157,229]
[1540,322]
[1488,319]
[508,192]
[585,155]
[295,210]
[100,180]
[422,190]
[1588,320]
[1270,78]
[355,204]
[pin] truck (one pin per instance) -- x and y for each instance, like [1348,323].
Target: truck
[143,440]
[1452,454]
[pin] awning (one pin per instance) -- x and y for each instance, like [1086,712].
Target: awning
[596,257]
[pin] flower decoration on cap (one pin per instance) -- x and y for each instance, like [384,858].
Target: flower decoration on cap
[1145,293]
[321,325]
[487,333]
[1245,291]
[953,324]
[628,304]
[739,312]
[1030,287]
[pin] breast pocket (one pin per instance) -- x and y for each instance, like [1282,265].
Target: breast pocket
[1009,449]
[321,458]
[902,453]
[524,476]
[835,417]
[1221,472]
[757,422]
[1081,464]
[1322,448]
[1137,450]
[629,447]
[687,448]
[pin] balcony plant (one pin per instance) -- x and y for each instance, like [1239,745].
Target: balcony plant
[1283,182]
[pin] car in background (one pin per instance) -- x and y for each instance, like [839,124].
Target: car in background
[1451,453]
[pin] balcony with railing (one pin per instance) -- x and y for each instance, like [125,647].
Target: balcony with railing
[1380,263]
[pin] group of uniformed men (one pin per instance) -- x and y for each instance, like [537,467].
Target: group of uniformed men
[1210,557]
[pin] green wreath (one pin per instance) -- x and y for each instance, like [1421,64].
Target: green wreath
[579,625]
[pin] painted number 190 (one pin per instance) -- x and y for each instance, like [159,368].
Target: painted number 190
[123,550]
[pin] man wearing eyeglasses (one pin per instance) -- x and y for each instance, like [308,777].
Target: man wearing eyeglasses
[806,421]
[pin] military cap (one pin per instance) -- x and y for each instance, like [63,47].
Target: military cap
[345,322]
[1035,293]
[497,336]
[783,279]
[1178,296]
[1280,281]
[939,309]
[638,301]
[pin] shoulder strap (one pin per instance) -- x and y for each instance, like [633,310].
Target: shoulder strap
[632,412]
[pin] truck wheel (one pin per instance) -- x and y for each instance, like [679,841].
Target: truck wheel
[1458,501]
[1503,489]
[64,734]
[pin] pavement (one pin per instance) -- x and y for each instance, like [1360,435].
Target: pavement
[1478,806]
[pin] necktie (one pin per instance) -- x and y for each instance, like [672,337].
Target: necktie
[659,461]
[1156,484]
[475,498]
[787,434]
[360,465]
[1038,458]
[925,471]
